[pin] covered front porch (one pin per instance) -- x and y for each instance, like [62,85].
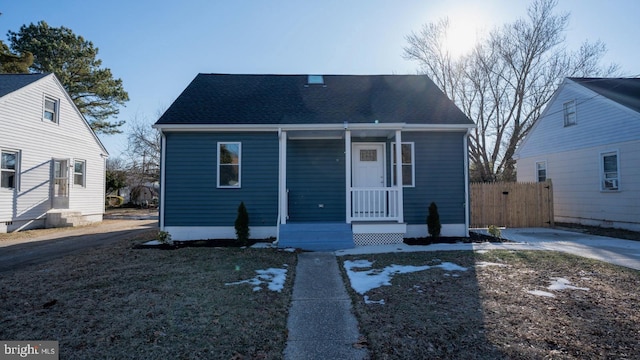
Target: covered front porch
[339,188]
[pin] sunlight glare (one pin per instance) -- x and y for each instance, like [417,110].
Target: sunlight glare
[462,34]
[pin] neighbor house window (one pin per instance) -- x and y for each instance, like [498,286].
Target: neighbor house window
[8,167]
[229,164]
[51,109]
[79,167]
[610,177]
[541,171]
[569,113]
[408,165]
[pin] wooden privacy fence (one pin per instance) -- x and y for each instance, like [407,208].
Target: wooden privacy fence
[512,204]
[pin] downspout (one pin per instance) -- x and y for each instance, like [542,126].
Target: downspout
[279,185]
[466,181]
[163,156]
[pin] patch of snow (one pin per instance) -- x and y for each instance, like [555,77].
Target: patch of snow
[485,264]
[153,243]
[274,278]
[367,301]
[363,280]
[447,266]
[541,293]
[482,251]
[562,283]
[289,249]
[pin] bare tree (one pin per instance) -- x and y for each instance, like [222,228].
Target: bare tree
[504,83]
[144,151]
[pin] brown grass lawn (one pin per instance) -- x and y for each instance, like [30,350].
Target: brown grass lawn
[488,313]
[122,303]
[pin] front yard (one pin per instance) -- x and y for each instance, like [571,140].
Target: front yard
[121,303]
[231,303]
[495,305]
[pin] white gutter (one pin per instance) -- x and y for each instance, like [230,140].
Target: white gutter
[307,127]
[466,181]
[163,156]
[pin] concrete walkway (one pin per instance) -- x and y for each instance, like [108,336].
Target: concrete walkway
[321,324]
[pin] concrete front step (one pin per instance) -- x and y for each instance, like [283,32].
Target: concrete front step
[65,218]
[316,236]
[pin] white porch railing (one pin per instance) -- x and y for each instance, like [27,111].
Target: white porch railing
[375,204]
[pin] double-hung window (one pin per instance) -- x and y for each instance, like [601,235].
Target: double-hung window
[569,109]
[229,164]
[408,164]
[541,171]
[79,168]
[8,169]
[51,106]
[609,171]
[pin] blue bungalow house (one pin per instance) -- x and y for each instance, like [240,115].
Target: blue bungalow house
[321,162]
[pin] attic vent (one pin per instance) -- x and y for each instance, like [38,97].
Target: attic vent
[315,79]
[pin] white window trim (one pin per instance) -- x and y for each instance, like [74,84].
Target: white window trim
[565,113]
[16,184]
[413,163]
[239,164]
[546,170]
[56,114]
[602,174]
[84,172]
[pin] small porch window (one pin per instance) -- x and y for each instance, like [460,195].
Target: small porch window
[541,171]
[8,167]
[79,172]
[229,164]
[408,164]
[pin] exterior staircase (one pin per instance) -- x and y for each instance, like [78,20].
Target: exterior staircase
[316,236]
[64,218]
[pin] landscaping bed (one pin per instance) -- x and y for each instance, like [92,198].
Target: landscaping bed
[120,303]
[504,305]
[473,237]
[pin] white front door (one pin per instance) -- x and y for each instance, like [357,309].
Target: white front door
[368,171]
[368,165]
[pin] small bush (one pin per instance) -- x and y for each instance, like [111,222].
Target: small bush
[494,231]
[242,225]
[164,238]
[433,221]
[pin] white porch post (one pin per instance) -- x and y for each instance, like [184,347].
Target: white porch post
[399,181]
[282,180]
[465,144]
[347,165]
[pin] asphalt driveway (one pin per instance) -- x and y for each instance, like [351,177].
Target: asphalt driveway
[19,251]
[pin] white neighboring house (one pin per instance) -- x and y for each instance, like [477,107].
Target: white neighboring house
[52,167]
[587,141]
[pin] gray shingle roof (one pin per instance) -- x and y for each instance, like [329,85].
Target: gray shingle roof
[623,91]
[12,82]
[288,99]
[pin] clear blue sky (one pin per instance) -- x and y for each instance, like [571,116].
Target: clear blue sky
[158,47]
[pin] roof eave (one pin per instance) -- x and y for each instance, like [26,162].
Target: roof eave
[293,127]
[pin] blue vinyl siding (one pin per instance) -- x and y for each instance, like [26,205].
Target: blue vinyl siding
[192,198]
[439,172]
[316,175]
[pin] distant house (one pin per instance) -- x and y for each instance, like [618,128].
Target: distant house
[53,166]
[321,162]
[587,141]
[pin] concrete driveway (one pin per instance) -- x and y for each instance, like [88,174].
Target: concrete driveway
[612,250]
[20,251]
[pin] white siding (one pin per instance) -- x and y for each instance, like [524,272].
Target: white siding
[577,196]
[23,128]
[599,121]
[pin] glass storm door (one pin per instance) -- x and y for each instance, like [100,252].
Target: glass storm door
[60,183]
